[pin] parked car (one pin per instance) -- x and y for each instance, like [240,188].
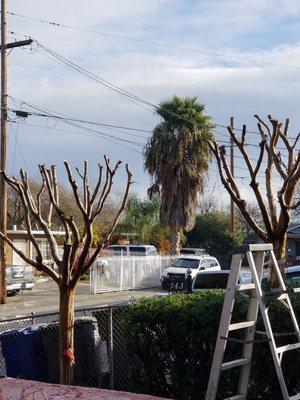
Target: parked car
[18,277]
[132,250]
[205,280]
[292,274]
[173,277]
[192,250]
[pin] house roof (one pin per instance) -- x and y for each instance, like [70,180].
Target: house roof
[24,232]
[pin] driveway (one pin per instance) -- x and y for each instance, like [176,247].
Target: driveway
[45,298]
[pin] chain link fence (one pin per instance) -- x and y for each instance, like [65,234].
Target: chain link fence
[29,347]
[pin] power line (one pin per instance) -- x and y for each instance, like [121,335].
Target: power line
[75,91]
[109,85]
[19,147]
[108,137]
[132,97]
[58,117]
[153,43]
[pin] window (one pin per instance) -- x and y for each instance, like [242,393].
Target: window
[45,249]
[186,263]
[187,251]
[205,263]
[137,250]
[211,281]
[212,262]
[118,249]
[151,251]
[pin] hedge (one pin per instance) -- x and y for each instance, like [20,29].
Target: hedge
[172,341]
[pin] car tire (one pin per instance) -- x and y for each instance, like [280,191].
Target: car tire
[12,293]
[164,286]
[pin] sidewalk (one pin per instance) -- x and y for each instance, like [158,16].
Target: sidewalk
[44,298]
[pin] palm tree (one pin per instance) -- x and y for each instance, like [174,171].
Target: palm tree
[177,158]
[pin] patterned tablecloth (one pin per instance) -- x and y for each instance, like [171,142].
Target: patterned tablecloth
[19,389]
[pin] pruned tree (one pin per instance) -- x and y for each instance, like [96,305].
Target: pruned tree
[277,153]
[77,255]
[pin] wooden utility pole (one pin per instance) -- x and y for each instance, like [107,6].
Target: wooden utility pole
[232,173]
[3,141]
[3,151]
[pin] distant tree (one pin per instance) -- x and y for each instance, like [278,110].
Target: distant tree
[207,204]
[17,213]
[255,213]
[141,217]
[212,231]
[177,158]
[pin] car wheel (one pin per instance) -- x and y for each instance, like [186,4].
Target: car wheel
[12,293]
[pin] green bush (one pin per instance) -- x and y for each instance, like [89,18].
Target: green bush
[172,340]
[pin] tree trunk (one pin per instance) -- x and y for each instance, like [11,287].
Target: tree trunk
[66,335]
[280,254]
[175,242]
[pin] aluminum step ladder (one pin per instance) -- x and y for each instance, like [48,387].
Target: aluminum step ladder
[257,300]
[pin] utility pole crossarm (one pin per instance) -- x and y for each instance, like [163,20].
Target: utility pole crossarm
[19,43]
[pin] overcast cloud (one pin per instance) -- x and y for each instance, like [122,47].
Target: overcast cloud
[238,86]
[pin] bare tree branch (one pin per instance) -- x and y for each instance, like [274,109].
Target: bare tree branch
[104,242]
[241,203]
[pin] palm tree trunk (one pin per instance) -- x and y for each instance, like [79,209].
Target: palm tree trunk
[66,335]
[175,242]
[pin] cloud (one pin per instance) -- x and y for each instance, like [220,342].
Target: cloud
[237,86]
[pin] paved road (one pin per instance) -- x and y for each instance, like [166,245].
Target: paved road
[44,298]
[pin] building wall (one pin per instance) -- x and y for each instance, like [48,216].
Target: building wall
[9,251]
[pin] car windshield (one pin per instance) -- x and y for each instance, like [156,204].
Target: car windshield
[186,263]
[211,281]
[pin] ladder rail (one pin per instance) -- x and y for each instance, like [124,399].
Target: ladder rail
[267,323]
[250,332]
[228,305]
[288,300]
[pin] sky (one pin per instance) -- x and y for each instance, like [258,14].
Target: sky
[239,58]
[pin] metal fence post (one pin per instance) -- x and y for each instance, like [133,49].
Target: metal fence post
[111,347]
[121,273]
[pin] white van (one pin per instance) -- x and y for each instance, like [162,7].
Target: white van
[132,250]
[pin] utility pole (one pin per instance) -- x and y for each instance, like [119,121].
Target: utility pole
[3,142]
[3,152]
[232,173]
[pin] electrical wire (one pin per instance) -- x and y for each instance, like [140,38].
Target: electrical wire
[19,147]
[76,91]
[153,43]
[109,85]
[106,136]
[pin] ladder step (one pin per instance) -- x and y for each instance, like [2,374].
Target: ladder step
[288,347]
[295,397]
[237,397]
[246,286]
[241,325]
[235,363]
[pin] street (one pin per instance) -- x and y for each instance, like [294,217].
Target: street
[44,298]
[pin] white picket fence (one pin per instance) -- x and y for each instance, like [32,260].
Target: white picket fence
[125,273]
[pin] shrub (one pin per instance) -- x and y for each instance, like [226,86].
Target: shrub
[172,339]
